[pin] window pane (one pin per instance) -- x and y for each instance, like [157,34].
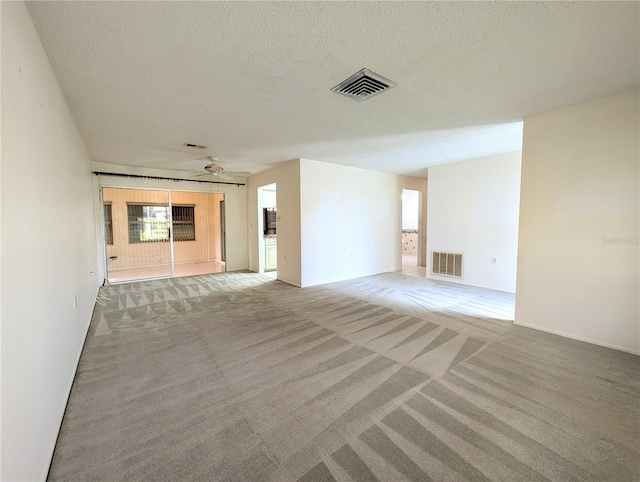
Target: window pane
[108,224]
[183,223]
[148,224]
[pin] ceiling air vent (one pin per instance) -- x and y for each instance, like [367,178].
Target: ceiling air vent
[363,85]
[188,144]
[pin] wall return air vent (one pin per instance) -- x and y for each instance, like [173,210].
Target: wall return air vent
[447,264]
[363,85]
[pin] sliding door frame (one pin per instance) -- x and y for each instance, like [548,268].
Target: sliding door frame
[102,186]
[104,237]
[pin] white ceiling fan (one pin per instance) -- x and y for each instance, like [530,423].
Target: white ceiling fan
[214,168]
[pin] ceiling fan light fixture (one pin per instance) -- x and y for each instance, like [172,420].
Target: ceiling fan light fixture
[214,168]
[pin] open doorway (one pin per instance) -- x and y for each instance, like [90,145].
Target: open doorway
[152,234]
[411,233]
[268,230]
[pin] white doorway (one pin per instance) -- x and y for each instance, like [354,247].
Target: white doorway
[268,230]
[411,236]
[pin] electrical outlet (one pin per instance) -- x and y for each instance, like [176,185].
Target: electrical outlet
[75,301]
[493,260]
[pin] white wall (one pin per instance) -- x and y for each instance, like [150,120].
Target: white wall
[350,222]
[579,191]
[235,201]
[287,179]
[48,250]
[473,209]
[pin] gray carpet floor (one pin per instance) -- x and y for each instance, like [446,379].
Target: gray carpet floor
[238,377]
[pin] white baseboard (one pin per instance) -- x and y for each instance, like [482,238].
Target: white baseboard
[578,338]
[455,281]
[297,285]
[94,295]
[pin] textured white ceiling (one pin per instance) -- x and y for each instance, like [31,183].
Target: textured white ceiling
[252,80]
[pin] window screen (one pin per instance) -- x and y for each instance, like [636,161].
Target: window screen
[148,224]
[108,224]
[184,228]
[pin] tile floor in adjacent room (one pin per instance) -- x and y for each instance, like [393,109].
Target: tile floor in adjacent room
[181,270]
[410,266]
[239,377]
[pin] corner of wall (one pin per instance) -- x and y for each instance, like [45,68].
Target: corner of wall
[578,243]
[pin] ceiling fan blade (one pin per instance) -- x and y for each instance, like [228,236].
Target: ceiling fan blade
[238,173]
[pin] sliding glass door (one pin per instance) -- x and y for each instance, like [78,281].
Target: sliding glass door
[138,236]
[155,234]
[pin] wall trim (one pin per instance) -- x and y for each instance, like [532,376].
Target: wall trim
[578,338]
[277,279]
[455,281]
[290,283]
